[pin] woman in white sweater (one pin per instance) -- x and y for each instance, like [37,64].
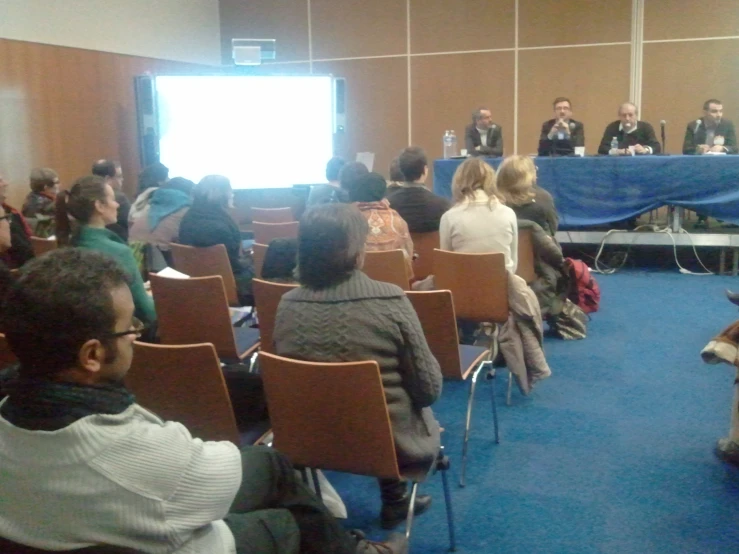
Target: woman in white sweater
[479,222]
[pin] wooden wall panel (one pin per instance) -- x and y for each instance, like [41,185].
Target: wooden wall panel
[595,78]
[352,28]
[674,19]
[471,25]
[447,89]
[377,107]
[283,20]
[668,94]
[557,22]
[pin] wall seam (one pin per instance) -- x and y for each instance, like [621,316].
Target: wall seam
[697,39]
[515,83]
[408,68]
[310,38]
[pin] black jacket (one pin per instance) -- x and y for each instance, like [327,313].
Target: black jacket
[695,135]
[563,147]
[210,225]
[419,207]
[495,141]
[644,135]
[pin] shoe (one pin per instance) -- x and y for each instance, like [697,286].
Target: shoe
[396,543]
[728,451]
[394,514]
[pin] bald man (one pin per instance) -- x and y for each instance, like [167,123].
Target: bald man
[629,131]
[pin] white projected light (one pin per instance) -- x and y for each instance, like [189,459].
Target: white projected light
[260,132]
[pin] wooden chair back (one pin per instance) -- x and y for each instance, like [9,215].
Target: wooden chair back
[388,266]
[424,244]
[342,424]
[479,284]
[525,268]
[272,215]
[264,233]
[42,246]
[258,252]
[267,297]
[9,547]
[206,262]
[6,355]
[184,384]
[192,311]
[435,310]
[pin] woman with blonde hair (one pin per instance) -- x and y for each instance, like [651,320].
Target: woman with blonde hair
[479,222]
[517,186]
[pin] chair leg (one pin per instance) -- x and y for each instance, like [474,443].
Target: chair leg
[316,483]
[443,465]
[473,383]
[510,387]
[411,508]
[253,361]
[491,376]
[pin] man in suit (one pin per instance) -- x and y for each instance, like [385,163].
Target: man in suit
[560,135]
[483,137]
[630,132]
[710,133]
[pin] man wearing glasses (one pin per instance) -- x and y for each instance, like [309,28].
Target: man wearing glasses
[711,133]
[83,464]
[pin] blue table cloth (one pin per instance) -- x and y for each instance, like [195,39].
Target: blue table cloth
[602,189]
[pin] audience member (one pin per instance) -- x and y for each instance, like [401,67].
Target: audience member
[111,170]
[91,202]
[154,175]
[331,191]
[418,206]
[208,223]
[39,206]
[338,314]
[280,261]
[387,230]
[6,239]
[21,249]
[396,176]
[350,173]
[479,222]
[83,464]
[516,180]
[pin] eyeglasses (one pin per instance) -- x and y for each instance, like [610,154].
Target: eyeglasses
[137,328]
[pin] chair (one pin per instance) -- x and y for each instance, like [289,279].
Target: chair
[264,233]
[162,377]
[323,430]
[388,266]
[525,268]
[267,297]
[206,262]
[9,547]
[42,246]
[424,244]
[192,311]
[435,310]
[479,286]
[258,252]
[272,215]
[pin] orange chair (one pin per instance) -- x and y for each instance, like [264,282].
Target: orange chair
[424,245]
[206,262]
[525,268]
[42,246]
[264,233]
[272,215]
[435,310]
[267,297]
[258,252]
[195,310]
[388,266]
[323,430]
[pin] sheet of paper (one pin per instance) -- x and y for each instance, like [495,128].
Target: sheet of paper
[172,273]
[367,158]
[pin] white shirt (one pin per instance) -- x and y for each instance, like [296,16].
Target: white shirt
[483,136]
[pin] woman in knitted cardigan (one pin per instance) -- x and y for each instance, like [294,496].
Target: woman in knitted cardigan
[338,314]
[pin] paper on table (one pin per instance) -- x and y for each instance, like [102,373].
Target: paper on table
[367,158]
[172,273]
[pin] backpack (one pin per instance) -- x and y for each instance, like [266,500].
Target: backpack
[583,290]
[571,323]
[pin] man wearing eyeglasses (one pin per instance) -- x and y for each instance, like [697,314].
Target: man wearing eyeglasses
[710,134]
[83,464]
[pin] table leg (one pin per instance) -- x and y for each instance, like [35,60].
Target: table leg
[734,261]
[722,261]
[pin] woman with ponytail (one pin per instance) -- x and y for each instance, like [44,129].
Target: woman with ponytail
[82,214]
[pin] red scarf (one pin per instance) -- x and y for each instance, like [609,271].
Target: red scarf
[10,210]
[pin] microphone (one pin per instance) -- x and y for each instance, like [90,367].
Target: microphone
[572,125]
[662,124]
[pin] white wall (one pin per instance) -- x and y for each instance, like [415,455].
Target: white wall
[183,30]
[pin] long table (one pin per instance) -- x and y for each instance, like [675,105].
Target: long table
[602,189]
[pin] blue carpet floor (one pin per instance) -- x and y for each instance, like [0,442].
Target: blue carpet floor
[612,454]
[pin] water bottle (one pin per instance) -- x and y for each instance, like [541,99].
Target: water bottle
[455,152]
[447,142]
[614,145]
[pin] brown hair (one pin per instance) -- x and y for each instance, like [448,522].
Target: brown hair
[516,180]
[473,175]
[78,202]
[561,99]
[42,178]
[413,162]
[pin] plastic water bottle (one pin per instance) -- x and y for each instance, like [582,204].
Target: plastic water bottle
[447,142]
[455,152]
[614,145]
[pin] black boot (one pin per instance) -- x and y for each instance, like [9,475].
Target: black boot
[395,500]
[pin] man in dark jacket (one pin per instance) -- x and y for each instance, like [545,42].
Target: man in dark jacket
[560,136]
[629,132]
[710,133]
[483,137]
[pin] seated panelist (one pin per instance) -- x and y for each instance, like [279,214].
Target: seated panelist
[560,135]
[483,137]
[629,132]
[710,133]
